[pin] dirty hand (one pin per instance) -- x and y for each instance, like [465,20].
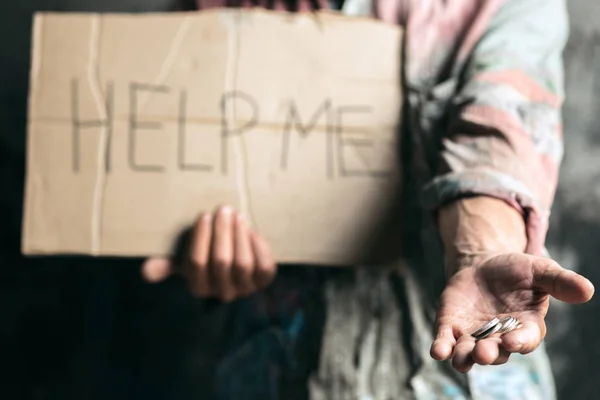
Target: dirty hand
[517,285]
[227,259]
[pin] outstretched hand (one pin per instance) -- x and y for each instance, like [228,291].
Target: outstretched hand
[510,284]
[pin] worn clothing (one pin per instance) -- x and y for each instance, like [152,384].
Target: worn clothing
[483,84]
[484,87]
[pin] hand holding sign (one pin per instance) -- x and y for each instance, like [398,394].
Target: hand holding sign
[164,114]
[226,258]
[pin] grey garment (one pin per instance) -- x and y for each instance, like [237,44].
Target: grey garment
[363,355]
[373,342]
[118,339]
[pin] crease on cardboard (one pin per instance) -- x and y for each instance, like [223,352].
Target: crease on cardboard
[233,21]
[95,88]
[36,56]
[174,50]
[319,127]
[170,59]
[316,18]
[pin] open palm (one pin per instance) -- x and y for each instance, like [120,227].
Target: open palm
[511,284]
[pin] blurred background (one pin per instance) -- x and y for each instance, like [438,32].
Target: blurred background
[575,225]
[49,309]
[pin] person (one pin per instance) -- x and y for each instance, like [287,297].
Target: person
[483,87]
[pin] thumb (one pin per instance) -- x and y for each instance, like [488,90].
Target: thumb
[562,284]
[156,270]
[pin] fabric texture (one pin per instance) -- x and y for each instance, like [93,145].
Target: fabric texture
[484,89]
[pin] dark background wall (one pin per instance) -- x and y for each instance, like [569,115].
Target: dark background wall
[575,226]
[36,300]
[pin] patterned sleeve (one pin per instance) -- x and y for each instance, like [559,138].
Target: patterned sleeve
[505,137]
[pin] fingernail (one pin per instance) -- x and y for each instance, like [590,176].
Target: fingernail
[226,210]
[242,219]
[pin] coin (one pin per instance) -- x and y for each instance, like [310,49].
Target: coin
[486,327]
[509,324]
[489,332]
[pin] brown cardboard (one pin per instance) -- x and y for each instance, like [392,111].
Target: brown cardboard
[139,123]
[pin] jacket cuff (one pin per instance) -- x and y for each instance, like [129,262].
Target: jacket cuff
[454,186]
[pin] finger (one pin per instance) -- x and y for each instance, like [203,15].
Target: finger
[156,270]
[266,268]
[487,351]
[525,339]
[444,343]
[503,357]
[243,263]
[279,6]
[560,283]
[197,272]
[222,253]
[462,357]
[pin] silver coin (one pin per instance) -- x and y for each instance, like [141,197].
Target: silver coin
[509,324]
[489,332]
[486,327]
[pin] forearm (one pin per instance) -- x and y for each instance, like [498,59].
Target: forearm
[506,142]
[473,229]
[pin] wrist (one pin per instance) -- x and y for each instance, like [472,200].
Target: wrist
[478,228]
[455,262]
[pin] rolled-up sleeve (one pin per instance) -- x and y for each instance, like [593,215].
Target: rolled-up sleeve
[505,131]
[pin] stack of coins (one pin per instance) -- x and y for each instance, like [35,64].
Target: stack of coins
[496,325]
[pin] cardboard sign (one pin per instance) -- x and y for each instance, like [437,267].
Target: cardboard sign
[139,123]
